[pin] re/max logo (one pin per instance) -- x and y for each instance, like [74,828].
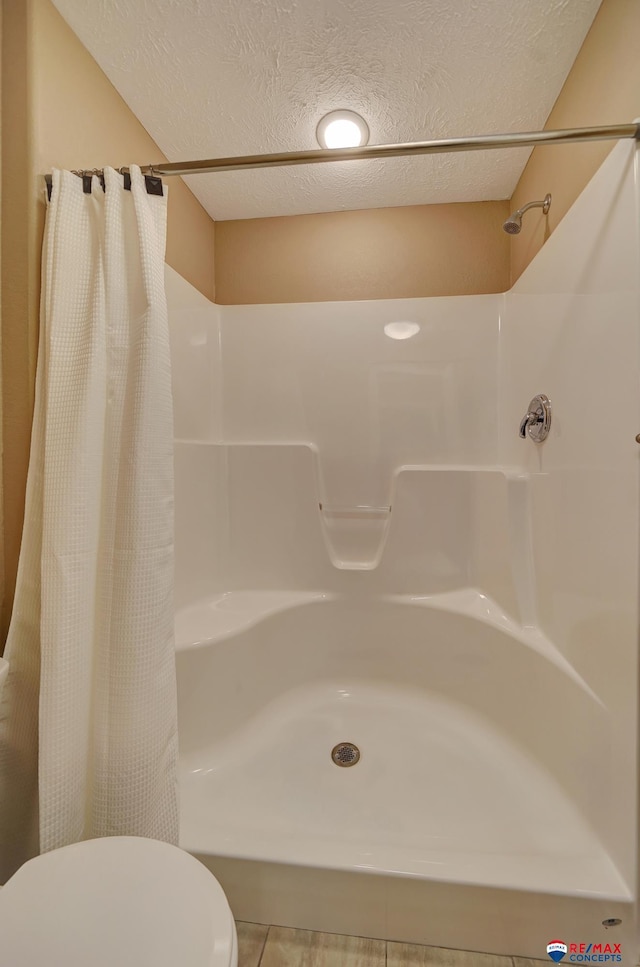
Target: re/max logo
[595,948]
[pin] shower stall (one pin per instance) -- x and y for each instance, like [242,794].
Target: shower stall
[369,553]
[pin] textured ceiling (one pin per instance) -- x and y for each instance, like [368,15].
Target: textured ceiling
[211,78]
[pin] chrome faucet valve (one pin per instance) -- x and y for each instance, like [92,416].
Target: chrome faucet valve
[537,420]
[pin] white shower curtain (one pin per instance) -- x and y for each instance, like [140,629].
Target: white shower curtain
[88,733]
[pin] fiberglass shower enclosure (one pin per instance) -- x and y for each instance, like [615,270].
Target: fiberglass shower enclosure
[368,552]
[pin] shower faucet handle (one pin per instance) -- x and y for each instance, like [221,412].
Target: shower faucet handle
[526,421]
[537,420]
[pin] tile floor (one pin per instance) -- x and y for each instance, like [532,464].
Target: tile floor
[262,946]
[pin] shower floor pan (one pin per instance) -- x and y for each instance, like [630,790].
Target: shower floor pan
[450,829]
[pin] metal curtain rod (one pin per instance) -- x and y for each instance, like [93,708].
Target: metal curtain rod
[609,132]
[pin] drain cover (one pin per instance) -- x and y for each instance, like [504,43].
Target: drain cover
[345,754]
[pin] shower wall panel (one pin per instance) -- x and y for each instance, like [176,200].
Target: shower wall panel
[570,329]
[194,331]
[337,438]
[372,385]
[200,468]
[368,388]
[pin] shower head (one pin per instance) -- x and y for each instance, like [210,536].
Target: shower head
[513,224]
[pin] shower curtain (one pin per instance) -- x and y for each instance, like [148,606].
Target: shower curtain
[88,732]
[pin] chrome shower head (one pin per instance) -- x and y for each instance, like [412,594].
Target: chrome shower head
[513,224]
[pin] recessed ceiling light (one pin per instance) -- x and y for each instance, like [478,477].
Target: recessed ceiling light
[342,129]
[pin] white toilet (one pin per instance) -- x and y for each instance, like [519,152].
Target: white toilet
[116,902]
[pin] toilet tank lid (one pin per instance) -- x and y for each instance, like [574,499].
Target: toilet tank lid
[119,900]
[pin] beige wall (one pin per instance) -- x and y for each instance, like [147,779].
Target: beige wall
[603,87]
[383,253]
[59,109]
[19,280]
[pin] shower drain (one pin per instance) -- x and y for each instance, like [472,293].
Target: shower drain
[345,754]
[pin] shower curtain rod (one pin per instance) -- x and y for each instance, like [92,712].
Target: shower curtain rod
[407,149]
[608,132]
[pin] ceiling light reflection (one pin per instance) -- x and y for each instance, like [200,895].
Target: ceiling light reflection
[401,330]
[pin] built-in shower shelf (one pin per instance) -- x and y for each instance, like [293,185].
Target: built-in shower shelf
[355,536]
